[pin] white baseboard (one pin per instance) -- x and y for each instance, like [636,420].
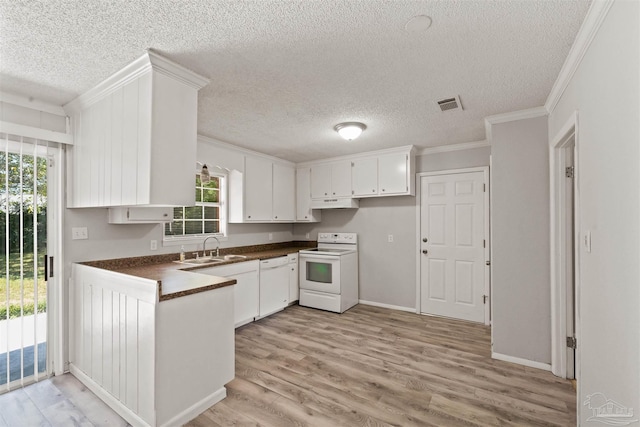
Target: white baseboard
[182,418]
[107,398]
[392,307]
[520,361]
[196,409]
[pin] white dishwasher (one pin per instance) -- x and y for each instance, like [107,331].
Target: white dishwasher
[274,285]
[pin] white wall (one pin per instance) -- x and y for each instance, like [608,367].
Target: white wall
[388,270]
[521,244]
[33,117]
[605,91]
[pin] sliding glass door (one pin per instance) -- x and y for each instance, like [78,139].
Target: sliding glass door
[24,263]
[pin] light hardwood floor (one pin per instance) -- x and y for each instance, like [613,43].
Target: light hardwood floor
[367,367]
[58,401]
[377,367]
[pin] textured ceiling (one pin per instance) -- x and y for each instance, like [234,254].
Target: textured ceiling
[283,73]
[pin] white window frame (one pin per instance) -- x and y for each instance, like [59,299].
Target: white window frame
[222,221]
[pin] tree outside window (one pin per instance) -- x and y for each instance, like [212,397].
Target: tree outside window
[206,217]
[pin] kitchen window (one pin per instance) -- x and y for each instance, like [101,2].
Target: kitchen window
[206,218]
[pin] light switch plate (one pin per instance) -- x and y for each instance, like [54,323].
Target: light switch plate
[79,233]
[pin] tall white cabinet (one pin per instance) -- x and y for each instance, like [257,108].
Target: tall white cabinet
[135,137]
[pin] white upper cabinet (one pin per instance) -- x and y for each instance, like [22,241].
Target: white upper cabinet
[393,174]
[264,192]
[364,176]
[331,180]
[388,174]
[284,190]
[258,189]
[304,213]
[135,137]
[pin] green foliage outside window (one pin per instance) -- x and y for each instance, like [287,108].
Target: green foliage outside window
[205,217]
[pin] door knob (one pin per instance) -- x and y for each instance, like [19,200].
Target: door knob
[424,239]
[425,251]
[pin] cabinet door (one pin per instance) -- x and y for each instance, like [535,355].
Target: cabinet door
[364,176]
[246,297]
[320,181]
[294,289]
[341,179]
[303,194]
[284,203]
[246,292]
[258,189]
[392,174]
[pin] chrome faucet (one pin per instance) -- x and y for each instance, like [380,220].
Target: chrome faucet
[204,246]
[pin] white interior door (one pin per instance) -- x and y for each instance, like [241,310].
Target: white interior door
[452,245]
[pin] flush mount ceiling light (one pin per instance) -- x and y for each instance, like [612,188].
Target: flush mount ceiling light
[350,130]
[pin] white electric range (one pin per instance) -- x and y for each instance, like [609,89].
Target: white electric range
[329,273]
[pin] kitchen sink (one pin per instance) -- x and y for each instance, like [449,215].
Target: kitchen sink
[202,260]
[212,260]
[233,257]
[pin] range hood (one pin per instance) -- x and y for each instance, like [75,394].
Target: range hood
[335,203]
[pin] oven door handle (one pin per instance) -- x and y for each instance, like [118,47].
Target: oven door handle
[304,257]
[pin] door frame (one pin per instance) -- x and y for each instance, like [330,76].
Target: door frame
[559,247]
[52,152]
[487,222]
[56,333]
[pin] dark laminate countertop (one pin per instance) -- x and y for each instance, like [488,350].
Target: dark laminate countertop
[177,279]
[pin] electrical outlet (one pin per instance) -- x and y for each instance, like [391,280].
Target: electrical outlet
[79,233]
[308,236]
[390,238]
[270,236]
[154,245]
[587,241]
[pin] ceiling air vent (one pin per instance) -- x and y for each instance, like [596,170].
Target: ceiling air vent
[450,104]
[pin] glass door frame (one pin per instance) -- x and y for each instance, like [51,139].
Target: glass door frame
[54,155]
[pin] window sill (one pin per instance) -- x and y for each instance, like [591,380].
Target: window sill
[189,240]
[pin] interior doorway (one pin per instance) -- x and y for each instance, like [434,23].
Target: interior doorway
[453,244]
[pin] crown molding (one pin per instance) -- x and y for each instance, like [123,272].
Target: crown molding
[31,103]
[176,71]
[403,149]
[595,16]
[453,147]
[529,113]
[144,64]
[231,147]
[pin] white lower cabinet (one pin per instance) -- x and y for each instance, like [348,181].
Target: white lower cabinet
[294,289]
[155,363]
[246,293]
